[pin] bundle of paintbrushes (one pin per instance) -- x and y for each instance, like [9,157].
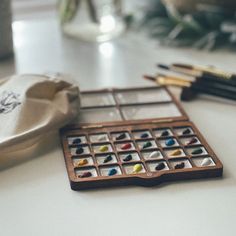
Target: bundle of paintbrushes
[196,80]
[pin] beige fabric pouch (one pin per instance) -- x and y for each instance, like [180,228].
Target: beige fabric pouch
[31,107]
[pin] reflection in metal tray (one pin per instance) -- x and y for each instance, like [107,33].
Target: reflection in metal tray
[133,104]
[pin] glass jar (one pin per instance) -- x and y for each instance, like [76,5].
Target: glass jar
[92,20]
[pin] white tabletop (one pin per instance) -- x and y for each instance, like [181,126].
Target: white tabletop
[35,196]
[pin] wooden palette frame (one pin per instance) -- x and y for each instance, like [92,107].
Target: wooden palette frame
[143,179]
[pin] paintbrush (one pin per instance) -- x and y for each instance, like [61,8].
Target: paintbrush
[203,76]
[204,70]
[191,88]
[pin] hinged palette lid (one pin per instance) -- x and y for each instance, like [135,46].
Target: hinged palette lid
[109,107]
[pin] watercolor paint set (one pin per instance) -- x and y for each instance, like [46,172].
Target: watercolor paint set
[134,136]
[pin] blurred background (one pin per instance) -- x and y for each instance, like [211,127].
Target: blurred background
[31,9]
[202,24]
[114,35]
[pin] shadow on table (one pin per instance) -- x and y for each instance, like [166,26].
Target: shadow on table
[215,99]
[180,184]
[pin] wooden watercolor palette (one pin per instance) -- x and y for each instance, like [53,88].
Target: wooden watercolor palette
[135,136]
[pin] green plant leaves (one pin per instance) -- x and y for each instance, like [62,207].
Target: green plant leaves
[201,29]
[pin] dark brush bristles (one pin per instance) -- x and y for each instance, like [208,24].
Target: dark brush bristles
[183,66]
[148,77]
[187,94]
[162,66]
